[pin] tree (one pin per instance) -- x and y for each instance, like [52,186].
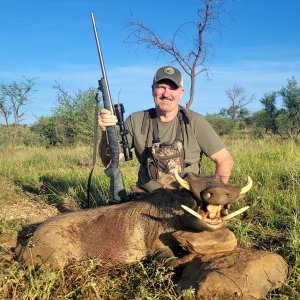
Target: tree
[72,121]
[269,113]
[4,109]
[14,96]
[50,130]
[284,121]
[288,121]
[191,58]
[221,124]
[78,112]
[238,99]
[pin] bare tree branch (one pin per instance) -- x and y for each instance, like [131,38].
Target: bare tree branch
[191,61]
[238,99]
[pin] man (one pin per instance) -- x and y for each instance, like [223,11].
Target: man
[168,129]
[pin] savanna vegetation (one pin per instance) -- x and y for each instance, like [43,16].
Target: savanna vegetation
[44,170]
[54,180]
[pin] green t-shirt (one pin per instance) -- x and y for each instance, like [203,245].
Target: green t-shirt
[198,138]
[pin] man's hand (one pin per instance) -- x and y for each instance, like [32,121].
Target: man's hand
[224,164]
[105,119]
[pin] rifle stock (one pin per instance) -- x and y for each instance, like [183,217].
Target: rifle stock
[117,192]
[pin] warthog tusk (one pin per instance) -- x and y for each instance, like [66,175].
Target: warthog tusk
[246,188]
[182,182]
[226,218]
[192,212]
[235,213]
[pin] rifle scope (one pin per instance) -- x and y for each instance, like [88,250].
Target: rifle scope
[119,112]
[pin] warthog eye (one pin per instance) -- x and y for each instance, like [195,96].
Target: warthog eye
[206,196]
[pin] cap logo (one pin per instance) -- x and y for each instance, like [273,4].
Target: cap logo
[169,71]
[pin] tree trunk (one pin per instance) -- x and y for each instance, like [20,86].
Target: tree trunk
[192,92]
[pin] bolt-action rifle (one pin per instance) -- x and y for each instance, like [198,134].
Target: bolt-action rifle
[117,190]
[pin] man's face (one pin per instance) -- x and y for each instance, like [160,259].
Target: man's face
[167,95]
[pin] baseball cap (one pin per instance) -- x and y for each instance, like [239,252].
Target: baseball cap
[170,73]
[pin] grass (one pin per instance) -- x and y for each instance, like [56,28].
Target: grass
[58,176]
[91,279]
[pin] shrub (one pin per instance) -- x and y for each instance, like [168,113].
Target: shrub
[222,125]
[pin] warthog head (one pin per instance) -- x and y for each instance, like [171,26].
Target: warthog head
[213,198]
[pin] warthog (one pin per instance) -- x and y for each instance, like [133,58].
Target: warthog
[134,230]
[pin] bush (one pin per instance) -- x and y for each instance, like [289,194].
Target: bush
[222,125]
[19,135]
[72,122]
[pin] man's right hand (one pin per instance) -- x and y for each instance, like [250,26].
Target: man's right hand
[105,119]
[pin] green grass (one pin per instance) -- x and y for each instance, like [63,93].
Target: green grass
[90,280]
[59,176]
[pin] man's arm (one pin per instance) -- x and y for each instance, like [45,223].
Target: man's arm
[224,164]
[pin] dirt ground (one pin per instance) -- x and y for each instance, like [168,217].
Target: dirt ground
[27,210]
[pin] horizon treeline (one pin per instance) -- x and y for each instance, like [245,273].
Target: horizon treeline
[72,120]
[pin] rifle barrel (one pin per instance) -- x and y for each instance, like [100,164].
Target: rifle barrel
[102,64]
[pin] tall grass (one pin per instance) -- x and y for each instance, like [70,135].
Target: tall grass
[59,176]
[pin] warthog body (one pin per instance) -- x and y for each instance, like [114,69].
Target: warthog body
[127,232]
[156,225]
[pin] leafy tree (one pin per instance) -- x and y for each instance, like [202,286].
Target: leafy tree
[13,97]
[72,120]
[191,55]
[51,130]
[243,114]
[258,119]
[269,114]
[221,124]
[284,121]
[78,112]
[288,121]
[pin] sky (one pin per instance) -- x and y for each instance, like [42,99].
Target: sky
[256,46]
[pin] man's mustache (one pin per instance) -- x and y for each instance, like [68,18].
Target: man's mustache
[166,98]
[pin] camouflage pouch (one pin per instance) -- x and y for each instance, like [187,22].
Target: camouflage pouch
[165,159]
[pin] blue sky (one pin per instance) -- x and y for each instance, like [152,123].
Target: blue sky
[258,48]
